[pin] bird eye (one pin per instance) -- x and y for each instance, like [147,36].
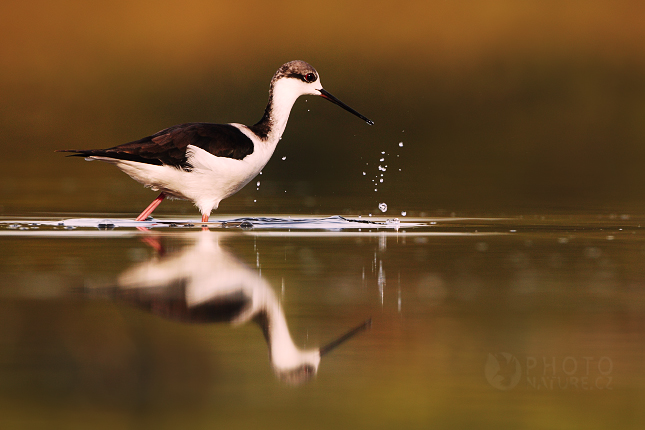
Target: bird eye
[310,77]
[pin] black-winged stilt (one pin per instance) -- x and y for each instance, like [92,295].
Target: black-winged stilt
[206,163]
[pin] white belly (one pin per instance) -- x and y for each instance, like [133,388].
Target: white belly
[211,180]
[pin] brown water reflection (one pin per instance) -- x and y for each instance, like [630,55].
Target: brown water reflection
[204,283]
[524,323]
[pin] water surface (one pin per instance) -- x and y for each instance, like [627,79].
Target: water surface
[525,322]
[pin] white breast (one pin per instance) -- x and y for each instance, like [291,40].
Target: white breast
[211,179]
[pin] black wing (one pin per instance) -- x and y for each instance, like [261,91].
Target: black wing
[168,146]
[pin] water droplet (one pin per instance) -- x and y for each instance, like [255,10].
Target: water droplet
[382,159]
[284,158]
[381,180]
[382,207]
[382,152]
[363,173]
[404,213]
[401,144]
[258,184]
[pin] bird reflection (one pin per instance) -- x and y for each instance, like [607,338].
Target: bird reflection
[205,283]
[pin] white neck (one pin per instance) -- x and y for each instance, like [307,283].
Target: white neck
[282,95]
[284,353]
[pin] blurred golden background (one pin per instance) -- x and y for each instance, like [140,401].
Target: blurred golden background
[502,106]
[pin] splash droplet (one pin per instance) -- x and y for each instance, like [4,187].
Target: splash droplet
[404,213]
[382,207]
[401,144]
[284,158]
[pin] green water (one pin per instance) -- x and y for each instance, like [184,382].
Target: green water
[533,322]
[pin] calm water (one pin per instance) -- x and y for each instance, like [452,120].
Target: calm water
[481,109]
[527,322]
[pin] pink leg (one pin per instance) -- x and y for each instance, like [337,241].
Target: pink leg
[204,219]
[153,242]
[146,213]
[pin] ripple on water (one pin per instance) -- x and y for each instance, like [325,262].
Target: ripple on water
[334,223]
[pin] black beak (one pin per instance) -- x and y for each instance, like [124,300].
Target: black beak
[353,332]
[326,95]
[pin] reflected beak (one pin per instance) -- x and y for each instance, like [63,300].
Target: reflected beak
[324,94]
[353,332]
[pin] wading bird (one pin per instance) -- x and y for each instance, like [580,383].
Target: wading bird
[206,163]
